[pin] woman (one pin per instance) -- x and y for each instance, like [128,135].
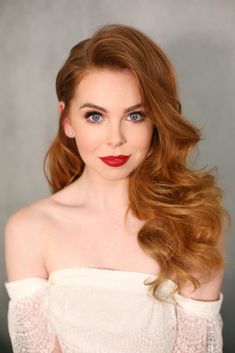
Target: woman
[126,254]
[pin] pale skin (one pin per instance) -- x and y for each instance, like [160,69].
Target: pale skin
[83,224]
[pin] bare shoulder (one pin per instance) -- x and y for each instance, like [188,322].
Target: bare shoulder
[24,236]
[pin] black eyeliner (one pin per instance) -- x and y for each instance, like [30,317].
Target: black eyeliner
[89,113]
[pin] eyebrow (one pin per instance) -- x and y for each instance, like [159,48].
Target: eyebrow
[127,110]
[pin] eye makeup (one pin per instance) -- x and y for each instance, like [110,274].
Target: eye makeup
[91,113]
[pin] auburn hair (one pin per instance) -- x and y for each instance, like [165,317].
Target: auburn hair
[181,206]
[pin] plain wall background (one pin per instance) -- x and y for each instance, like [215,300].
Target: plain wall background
[35,39]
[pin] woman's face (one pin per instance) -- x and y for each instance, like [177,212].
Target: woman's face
[114,126]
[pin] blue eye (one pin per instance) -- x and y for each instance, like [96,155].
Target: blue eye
[94,114]
[141,114]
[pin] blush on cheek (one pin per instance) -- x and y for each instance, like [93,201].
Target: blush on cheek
[142,141]
[88,142]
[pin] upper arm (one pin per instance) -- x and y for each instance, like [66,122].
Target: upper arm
[209,289]
[24,257]
[24,245]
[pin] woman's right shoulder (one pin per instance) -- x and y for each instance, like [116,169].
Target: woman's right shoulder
[39,213]
[30,223]
[25,232]
[31,215]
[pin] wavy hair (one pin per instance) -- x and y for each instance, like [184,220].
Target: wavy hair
[181,206]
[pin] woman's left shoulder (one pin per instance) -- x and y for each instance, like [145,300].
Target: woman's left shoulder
[209,289]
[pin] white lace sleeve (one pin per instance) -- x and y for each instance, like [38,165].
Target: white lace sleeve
[199,325]
[29,328]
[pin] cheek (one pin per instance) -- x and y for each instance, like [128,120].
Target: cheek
[142,138]
[87,140]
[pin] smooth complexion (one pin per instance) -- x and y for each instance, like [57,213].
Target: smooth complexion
[106,117]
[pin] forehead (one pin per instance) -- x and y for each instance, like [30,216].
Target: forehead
[108,83]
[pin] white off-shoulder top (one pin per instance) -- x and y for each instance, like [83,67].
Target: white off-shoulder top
[95,310]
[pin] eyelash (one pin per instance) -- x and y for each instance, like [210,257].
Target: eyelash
[90,113]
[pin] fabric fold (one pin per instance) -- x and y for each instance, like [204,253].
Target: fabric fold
[24,287]
[199,307]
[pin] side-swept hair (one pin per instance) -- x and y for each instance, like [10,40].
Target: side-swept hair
[182,207]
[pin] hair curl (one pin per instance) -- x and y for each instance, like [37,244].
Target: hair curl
[182,208]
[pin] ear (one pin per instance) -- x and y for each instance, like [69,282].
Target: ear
[61,106]
[68,129]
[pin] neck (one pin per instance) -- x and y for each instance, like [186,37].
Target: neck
[103,195]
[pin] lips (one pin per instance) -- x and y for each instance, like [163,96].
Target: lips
[115,161]
[120,156]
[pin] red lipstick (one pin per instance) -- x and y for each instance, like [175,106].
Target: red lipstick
[115,161]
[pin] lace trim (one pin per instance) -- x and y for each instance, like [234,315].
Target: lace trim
[198,334]
[29,328]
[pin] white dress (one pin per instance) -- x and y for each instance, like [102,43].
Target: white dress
[94,310]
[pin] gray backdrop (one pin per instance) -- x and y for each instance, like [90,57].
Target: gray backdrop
[35,38]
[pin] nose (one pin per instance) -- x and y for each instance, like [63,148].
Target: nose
[116,136]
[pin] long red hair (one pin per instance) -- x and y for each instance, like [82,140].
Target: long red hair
[181,206]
